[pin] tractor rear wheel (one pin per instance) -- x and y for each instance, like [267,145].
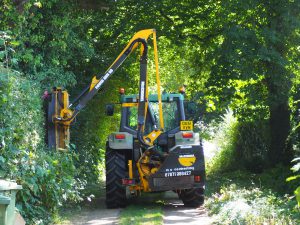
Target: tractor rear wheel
[115,171]
[193,197]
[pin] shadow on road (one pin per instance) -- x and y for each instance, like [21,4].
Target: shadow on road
[176,213]
[95,212]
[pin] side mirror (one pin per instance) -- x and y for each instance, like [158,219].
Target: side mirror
[191,108]
[109,109]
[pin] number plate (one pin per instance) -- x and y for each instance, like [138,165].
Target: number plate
[186,125]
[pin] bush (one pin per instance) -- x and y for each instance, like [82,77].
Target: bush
[48,183]
[240,145]
[251,206]
[252,144]
[48,178]
[296,169]
[225,139]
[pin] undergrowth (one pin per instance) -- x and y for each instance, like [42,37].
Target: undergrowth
[235,205]
[224,138]
[238,192]
[242,197]
[48,178]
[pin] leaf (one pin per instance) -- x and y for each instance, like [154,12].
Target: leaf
[14,61]
[38,4]
[297,193]
[292,178]
[2,54]
[296,167]
[296,159]
[2,41]
[14,43]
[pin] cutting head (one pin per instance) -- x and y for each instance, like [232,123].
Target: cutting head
[58,134]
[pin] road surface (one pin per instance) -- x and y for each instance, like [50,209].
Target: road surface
[173,210]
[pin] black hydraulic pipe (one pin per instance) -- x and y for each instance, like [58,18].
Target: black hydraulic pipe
[79,96]
[141,139]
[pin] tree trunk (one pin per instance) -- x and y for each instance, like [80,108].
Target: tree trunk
[279,151]
[279,81]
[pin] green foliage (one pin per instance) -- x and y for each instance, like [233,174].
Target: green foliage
[294,137]
[240,145]
[241,197]
[224,138]
[52,41]
[243,55]
[55,42]
[236,54]
[252,144]
[48,179]
[234,205]
[296,169]
[48,184]
[20,106]
[90,132]
[6,49]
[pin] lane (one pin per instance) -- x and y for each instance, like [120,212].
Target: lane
[94,216]
[176,213]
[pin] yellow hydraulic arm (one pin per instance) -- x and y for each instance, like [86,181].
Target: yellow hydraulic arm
[69,112]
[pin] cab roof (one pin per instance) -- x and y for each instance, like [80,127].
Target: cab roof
[165,97]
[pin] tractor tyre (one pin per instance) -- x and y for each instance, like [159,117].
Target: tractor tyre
[193,197]
[115,171]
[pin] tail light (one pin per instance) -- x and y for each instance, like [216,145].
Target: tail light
[197,178]
[187,135]
[128,182]
[120,136]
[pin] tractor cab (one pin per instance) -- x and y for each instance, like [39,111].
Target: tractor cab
[173,113]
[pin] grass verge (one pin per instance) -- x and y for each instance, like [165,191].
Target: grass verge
[144,210]
[150,214]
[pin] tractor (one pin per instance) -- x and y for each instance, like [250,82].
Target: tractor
[155,148]
[174,162]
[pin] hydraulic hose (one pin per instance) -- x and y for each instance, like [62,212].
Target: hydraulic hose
[141,139]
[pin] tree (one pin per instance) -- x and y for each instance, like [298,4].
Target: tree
[247,48]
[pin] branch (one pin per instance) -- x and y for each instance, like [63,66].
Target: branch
[194,36]
[202,39]
[165,16]
[20,4]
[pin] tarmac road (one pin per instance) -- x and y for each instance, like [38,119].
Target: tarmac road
[176,213]
[173,209]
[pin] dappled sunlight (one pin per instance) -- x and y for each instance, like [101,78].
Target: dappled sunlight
[236,209]
[176,213]
[94,217]
[239,63]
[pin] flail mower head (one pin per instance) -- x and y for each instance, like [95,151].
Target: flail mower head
[58,134]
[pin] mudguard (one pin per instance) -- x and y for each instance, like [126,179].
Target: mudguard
[178,170]
[124,143]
